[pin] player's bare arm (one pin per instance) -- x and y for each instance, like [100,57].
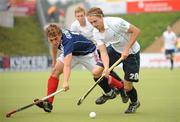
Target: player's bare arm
[54,42]
[54,54]
[135,32]
[67,71]
[104,58]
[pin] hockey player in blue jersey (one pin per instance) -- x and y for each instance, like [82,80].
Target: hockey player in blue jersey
[75,49]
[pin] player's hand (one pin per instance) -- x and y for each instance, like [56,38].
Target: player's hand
[125,54]
[106,72]
[65,86]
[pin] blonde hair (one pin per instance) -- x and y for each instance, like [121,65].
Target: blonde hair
[53,30]
[95,11]
[80,9]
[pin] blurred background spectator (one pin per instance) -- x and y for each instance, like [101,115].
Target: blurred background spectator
[4,5]
[52,12]
[178,43]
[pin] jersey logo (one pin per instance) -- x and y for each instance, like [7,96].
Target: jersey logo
[67,34]
[74,32]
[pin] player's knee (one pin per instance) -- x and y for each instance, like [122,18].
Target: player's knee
[96,73]
[56,72]
[128,86]
[168,56]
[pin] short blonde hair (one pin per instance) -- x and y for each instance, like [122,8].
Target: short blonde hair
[95,11]
[80,9]
[53,30]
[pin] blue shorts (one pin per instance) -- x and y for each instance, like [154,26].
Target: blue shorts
[169,52]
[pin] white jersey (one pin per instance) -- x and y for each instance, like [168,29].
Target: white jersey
[169,40]
[116,34]
[85,30]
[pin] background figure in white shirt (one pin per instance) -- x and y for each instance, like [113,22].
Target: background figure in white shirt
[122,37]
[82,26]
[169,38]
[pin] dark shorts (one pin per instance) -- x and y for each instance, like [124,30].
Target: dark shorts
[131,64]
[169,52]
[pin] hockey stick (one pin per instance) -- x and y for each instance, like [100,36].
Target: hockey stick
[32,104]
[97,82]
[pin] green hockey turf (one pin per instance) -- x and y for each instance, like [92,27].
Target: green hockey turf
[159,94]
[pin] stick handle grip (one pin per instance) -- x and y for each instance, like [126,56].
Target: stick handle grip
[53,94]
[115,64]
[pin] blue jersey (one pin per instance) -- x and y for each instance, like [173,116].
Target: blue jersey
[76,44]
